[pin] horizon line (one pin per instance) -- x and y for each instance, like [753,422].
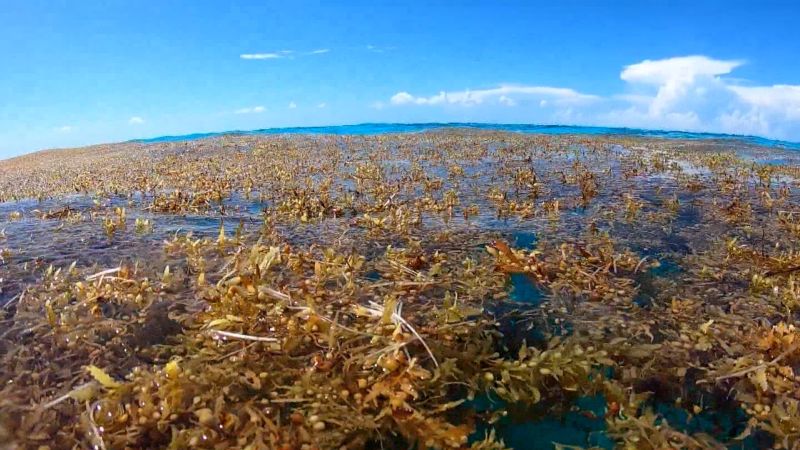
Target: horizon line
[642,132]
[483,125]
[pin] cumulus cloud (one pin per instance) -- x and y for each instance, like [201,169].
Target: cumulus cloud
[135,120]
[780,98]
[766,110]
[694,93]
[684,68]
[504,95]
[403,98]
[322,105]
[292,105]
[63,129]
[251,110]
[677,90]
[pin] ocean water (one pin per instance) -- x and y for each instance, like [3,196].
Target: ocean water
[38,242]
[381,128]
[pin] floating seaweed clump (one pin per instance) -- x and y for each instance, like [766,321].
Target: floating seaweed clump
[444,290]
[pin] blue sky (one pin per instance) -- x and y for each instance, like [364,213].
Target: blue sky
[83,72]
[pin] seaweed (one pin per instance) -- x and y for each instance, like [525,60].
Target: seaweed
[458,289]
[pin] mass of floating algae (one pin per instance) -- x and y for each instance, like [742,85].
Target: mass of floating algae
[436,290]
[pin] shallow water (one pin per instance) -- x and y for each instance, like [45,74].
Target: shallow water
[670,205]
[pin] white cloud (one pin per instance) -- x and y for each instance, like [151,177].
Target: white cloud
[63,129]
[402,98]
[135,120]
[668,70]
[292,105]
[378,49]
[251,110]
[290,54]
[765,110]
[680,83]
[781,98]
[504,94]
[507,101]
[270,55]
[261,56]
[322,105]
[693,93]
